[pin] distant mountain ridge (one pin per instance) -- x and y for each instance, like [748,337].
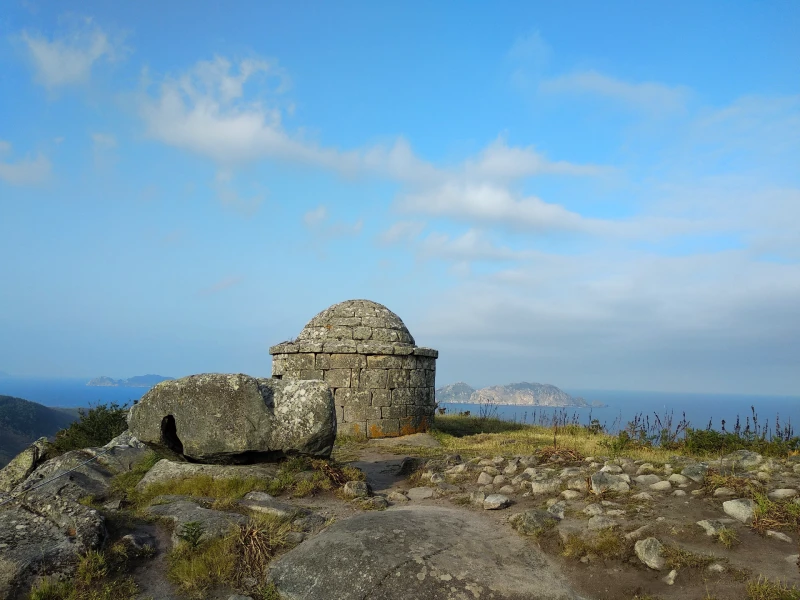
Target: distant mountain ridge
[519,394]
[22,422]
[136,381]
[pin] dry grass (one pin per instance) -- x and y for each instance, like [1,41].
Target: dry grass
[608,544]
[680,558]
[245,552]
[743,486]
[763,589]
[728,538]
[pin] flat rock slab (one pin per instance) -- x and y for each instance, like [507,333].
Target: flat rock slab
[167,470]
[417,552]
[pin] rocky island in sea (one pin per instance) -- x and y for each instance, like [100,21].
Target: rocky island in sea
[515,394]
[144,381]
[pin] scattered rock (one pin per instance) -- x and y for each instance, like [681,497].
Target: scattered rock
[670,578]
[678,479]
[661,486]
[603,482]
[637,534]
[782,494]
[496,501]
[650,552]
[420,493]
[593,510]
[533,521]
[647,479]
[723,492]
[264,503]
[600,522]
[712,527]
[485,479]
[356,489]
[695,472]
[779,536]
[716,568]
[571,495]
[397,497]
[544,487]
[557,510]
[741,509]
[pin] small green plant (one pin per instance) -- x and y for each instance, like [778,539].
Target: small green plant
[728,538]
[191,533]
[98,577]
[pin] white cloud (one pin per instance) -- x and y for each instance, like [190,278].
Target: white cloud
[104,141]
[650,97]
[69,59]
[401,231]
[317,221]
[315,217]
[496,205]
[469,247]
[28,171]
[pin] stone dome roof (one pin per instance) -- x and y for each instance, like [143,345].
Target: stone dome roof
[360,320]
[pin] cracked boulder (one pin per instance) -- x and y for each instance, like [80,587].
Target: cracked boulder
[416,552]
[235,419]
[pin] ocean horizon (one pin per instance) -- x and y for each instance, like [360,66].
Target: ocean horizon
[620,407]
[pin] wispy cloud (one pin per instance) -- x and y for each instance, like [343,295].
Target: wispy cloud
[649,97]
[318,221]
[221,285]
[70,58]
[401,231]
[27,171]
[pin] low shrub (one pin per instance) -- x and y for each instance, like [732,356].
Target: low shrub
[95,427]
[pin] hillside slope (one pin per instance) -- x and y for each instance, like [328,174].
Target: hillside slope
[22,422]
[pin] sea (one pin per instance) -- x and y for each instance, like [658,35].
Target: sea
[620,407]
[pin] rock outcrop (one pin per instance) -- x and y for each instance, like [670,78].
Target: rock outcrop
[419,552]
[236,419]
[46,528]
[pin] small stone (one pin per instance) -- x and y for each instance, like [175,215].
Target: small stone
[419,493]
[650,552]
[716,568]
[612,469]
[571,495]
[647,479]
[617,512]
[741,509]
[491,471]
[793,559]
[670,578]
[602,482]
[544,487]
[637,534]
[485,479]
[532,522]
[496,501]
[661,486]
[507,489]
[642,496]
[779,536]
[601,522]
[696,472]
[723,492]
[477,497]
[645,469]
[356,489]
[713,526]
[782,494]
[679,493]
[397,497]
[557,510]
[462,468]
[499,480]
[678,479]
[593,510]
[697,492]
[437,478]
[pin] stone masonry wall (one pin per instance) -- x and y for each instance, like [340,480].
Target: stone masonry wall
[380,389]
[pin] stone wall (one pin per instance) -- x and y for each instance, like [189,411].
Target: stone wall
[380,389]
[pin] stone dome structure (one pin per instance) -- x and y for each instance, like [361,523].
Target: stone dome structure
[383,383]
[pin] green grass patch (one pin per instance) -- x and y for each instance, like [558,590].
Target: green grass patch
[98,576]
[763,589]
[775,514]
[245,552]
[608,544]
[124,483]
[680,558]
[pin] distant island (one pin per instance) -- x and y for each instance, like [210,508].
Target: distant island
[515,394]
[143,381]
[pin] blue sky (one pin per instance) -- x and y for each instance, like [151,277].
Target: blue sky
[595,196]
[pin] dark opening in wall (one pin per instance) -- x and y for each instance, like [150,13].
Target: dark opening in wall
[169,435]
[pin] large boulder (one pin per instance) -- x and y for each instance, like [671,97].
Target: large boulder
[420,552]
[235,419]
